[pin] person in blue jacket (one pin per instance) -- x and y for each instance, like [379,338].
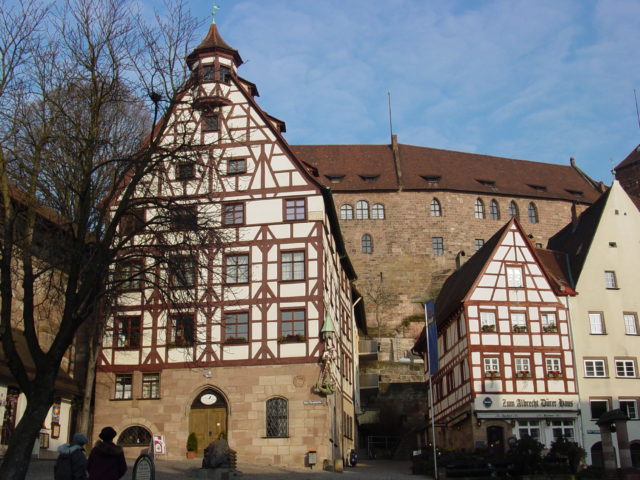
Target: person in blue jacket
[71,463]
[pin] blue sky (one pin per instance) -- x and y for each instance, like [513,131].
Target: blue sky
[536,80]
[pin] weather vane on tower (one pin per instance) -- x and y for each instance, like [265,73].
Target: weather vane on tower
[214,10]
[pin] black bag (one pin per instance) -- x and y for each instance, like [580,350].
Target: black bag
[63,468]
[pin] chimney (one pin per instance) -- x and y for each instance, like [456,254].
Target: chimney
[572,162]
[396,159]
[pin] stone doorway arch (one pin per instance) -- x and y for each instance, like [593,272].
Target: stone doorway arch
[208,417]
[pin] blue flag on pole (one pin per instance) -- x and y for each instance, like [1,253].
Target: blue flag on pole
[432,336]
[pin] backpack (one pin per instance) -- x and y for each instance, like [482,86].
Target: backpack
[63,468]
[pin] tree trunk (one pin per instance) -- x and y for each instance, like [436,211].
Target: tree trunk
[84,416]
[15,463]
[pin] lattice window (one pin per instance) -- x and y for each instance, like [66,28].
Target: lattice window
[533,213]
[134,436]
[362,210]
[277,418]
[377,211]
[494,210]
[479,209]
[435,209]
[346,212]
[367,243]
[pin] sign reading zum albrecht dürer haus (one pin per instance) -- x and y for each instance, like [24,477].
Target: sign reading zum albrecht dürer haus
[526,406]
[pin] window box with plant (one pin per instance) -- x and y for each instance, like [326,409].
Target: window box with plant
[551,328]
[523,374]
[488,328]
[236,340]
[292,338]
[492,374]
[192,445]
[520,328]
[553,373]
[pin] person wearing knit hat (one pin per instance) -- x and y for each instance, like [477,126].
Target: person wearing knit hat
[71,463]
[106,460]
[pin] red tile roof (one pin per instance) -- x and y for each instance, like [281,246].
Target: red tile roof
[455,171]
[214,42]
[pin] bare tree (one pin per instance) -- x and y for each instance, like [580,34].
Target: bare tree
[84,123]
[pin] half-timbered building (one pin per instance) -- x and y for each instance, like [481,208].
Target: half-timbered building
[264,355]
[506,367]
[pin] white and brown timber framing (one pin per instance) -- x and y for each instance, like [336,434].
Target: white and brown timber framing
[245,374]
[468,396]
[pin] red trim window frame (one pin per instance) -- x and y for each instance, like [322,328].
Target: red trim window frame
[289,260]
[133,222]
[236,166]
[210,122]
[233,214]
[236,268]
[208,73]
[236,327]
[514,268]
[293,325]
[183,273]
[127,332]
[295,209]
[130,275]
[184,217]
[182,330]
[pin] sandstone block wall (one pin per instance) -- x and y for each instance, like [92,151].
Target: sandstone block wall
[246,390]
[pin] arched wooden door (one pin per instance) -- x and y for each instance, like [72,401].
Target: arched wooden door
[208,417]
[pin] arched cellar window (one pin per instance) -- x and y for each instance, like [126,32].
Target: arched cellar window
[367,243]
[377,211]
[134,436]
[362,210]
[494,210]
[479,209]
[513,209]
[277,417]
[346,212]
[435,209]
[533,213]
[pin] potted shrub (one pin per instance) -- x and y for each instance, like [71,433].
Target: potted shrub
[192,445]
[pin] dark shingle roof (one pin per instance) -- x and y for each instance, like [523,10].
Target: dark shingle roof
[633,157]
[575,238]
[457,171]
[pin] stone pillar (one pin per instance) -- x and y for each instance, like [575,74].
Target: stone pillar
[608,455]
[623,444]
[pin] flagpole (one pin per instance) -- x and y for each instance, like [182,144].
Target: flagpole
[431,411]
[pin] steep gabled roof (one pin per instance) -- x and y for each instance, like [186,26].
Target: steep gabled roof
[556,267]
[459,283]
[213,42]
[575,238]
[632,158]
[433,169]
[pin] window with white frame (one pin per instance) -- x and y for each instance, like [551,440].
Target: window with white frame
[346,212]
[548,321]
[479,209]
[595,368]
[529,428]
[478,243]
[494,210]
[491,365]
[598,407]
[625,368]
[630,408]
[630,324]
[514,277]
[553,366]
[563,429]
[523,366]
[362,210]
[377,211]
[596,323]
[435,209]
[518,321]
[610,279]
[487,319]
[437,245]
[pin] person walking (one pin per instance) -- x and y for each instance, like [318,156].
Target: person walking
[106,460]
[71,463]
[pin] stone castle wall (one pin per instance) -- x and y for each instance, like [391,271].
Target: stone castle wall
[402,272]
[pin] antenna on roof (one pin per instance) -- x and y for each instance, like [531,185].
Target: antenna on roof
[637,112]
[390,121]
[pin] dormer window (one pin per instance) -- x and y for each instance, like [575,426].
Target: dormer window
[369,178]
[432,180]
[225,74]
[488,183]
[539,188]
[576,193]
[335,178]
[208,73]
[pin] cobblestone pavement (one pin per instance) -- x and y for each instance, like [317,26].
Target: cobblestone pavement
[42,469]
